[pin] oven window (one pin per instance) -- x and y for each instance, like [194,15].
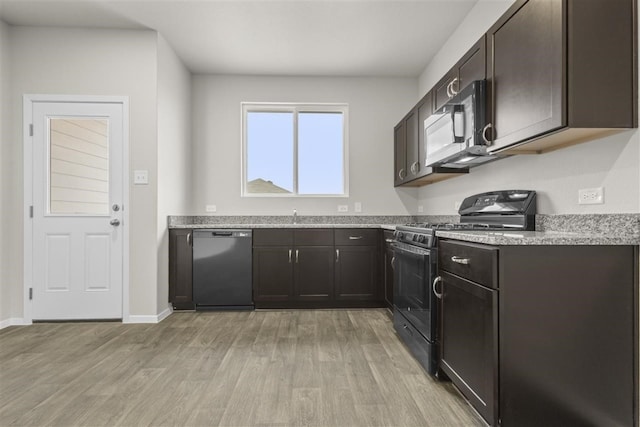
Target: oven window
[412,292]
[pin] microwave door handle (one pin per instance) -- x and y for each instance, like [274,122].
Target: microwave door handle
[457,117]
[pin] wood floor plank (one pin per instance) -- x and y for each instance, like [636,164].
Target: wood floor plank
[262,368]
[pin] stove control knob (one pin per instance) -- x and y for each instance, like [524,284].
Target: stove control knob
[421,239]
[400,235]
[415,238]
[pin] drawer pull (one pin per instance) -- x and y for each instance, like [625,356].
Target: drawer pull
[388,240]
[296,256]
[337,255]
[289,256]
[460,260]
[355,237]
[435,282]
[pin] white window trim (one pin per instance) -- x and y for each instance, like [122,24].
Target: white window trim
[297,108]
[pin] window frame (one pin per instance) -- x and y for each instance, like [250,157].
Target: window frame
[295,108]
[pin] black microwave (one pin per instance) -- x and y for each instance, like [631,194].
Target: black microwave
[454,134]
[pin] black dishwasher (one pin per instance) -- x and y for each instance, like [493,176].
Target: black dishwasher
[222,269]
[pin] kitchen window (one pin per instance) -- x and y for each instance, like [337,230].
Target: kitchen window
[294,149]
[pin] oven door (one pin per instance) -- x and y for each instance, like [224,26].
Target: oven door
[414,271]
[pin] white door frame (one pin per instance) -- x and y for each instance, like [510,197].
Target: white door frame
[28,101]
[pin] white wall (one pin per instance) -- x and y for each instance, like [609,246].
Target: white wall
[5,174]
[612,162]
[174,153]
[90,62]
[375,106]
[473,26]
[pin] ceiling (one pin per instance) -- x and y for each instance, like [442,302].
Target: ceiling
[271,37]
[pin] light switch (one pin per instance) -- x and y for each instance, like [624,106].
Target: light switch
[141,177]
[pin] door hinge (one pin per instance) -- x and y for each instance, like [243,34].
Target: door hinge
[31,129]
[30,293]
[31,211]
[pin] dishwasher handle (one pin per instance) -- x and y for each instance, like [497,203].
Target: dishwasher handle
[222,233]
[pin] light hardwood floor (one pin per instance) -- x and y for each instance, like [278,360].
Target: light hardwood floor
[261,368]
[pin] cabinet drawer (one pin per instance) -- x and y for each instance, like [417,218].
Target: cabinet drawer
[478,263]
[313,237]
[272,237]
[356,237]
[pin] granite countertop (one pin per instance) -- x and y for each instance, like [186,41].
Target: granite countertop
[570,229]
[272,225]
[539,238]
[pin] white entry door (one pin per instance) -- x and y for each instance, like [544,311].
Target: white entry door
[77,210]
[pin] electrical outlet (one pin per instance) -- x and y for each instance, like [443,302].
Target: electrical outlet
[357,207]
[591,196]
[420,209]
[140,177]
[210,208]
[343,208]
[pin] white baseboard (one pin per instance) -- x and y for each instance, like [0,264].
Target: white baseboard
[14,321]
[149,319]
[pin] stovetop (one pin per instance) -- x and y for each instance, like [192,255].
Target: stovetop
[495,210]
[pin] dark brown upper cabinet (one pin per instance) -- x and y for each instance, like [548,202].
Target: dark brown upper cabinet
[560,72]
[400,153]
[472,66]
[410,169]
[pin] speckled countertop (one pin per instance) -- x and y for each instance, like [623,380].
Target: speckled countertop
[539,238]
[599,229]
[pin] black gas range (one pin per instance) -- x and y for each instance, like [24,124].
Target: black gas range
[416,308]
[508,210]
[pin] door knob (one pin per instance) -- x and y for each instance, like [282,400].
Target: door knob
[115,222]
[115,207]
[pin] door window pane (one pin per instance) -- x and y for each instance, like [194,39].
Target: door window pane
[320,153]
[78,166]
[269,152]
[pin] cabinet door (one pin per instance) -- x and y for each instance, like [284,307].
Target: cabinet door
[356,273]
[526,74]
[313,273]
[272,274]
[181,269]
[413,159]
[388,269]
[442,90]
[425,109]
[472,66]
[469,341]
[399,153]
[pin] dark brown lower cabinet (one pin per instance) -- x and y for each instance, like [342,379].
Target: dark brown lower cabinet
[542,335]
[313,273]
[303,268]
[469,346]
[272,274]
[181,269]
[356,273]
[387,265]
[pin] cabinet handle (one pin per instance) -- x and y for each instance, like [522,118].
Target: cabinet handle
[435,291]
[189,239]
[460,260]
[388,240]
[289,256]
[449,90]
[415,167]
[355,237]
[393,262]
[454,92]
[337,255]
[401,173]
[296,256]
[486,140]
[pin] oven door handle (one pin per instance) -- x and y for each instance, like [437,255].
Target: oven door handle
[435,291]
[411,252]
